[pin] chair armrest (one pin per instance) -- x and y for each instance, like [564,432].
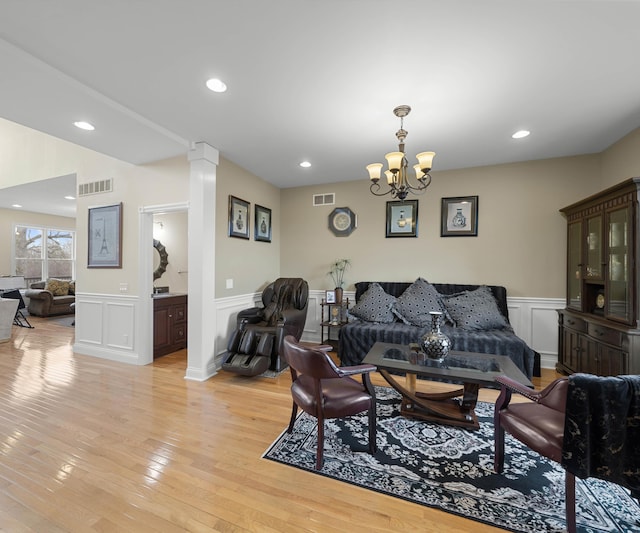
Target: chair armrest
[38,294]
[313,346]
[356,369]
[253,315]
[515,386]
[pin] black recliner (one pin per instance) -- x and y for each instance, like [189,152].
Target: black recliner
[257,343]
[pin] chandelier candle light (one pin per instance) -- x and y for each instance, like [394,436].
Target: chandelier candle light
[400,183]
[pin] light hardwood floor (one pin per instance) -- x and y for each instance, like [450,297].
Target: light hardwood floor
[92,445]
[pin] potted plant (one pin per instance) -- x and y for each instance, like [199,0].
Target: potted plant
[336,272]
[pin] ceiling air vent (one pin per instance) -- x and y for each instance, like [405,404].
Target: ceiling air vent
[95,187]
[324,199]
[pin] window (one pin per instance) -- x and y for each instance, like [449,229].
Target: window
[41,253]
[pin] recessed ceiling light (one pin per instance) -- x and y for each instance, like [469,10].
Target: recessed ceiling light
[521,134]
[84,125]
[216,85]
[16,205]
[305,164]
[69,197]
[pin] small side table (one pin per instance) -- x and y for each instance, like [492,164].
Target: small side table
[334,316]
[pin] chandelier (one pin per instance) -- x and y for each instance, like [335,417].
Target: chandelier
[399,181]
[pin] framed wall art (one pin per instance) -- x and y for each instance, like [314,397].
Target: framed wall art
[238,218]
[459,217]
[105,237]
[402,218]
[262,228]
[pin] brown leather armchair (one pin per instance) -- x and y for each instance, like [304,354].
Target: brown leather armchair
[324,390]
[539,424]
[587,423]
[284,312]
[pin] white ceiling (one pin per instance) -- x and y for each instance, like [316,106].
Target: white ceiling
[318,80]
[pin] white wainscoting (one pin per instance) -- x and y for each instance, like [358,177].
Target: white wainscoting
[106,326]
[535,320]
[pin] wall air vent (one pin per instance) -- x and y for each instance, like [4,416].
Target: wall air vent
[95,187]
[324,199]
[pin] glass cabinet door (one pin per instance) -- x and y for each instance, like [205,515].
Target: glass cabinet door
[574,266]
[618,289]
[593,269]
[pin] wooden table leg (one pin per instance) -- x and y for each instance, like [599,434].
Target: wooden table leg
[456,408]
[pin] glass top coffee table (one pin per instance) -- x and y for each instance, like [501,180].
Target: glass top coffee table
[457,407]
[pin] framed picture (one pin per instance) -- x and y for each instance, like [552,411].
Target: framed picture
[238,218]
[262,229]
[459,217]
[105,237]
[402,219]
[330,297]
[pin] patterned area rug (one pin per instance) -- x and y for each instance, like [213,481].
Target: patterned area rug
[452,469]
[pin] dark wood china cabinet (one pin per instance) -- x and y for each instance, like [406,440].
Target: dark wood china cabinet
[598,330]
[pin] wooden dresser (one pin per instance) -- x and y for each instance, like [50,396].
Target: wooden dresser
[169,323]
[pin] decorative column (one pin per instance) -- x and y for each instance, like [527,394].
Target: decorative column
[204,160]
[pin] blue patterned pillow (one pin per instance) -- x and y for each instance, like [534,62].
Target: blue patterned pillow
[416,302]
[374,305]
[475,310]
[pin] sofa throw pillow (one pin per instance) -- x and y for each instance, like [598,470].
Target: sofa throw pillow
[475,310]
[416,302]
[374,305]
[72,287]
[57,287]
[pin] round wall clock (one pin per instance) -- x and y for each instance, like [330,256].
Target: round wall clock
[342,221]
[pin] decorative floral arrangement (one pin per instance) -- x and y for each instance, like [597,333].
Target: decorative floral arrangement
[337,271]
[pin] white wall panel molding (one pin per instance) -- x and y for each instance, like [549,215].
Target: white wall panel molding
[535,320]
[106,326]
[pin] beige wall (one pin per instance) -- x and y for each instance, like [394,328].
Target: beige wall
[10,217]
[521,235]
[250,264]
[164,182]
[621,160]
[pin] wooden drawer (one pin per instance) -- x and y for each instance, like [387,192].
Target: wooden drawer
[573,322]
[604,334]
[180,334]
[179,313]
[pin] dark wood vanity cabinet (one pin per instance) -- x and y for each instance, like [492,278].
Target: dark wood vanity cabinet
[169,323]
[598,330]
